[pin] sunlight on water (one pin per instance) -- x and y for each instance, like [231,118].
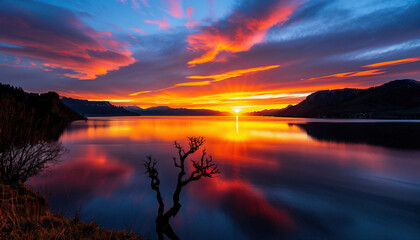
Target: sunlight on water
[281,178]
[237,125]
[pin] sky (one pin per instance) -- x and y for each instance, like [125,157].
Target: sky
[218,54]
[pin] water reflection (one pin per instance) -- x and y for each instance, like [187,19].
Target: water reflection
[386,134]
[282,178]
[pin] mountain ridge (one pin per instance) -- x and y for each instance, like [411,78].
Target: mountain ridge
[168,111]
[96,108]
[398,99]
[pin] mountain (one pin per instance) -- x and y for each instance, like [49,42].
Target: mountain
[96,108]
[399,99]
[266,112]
[42,115]
[168,111]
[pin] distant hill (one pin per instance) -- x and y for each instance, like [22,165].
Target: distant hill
[399,99]
[41,113]
[168,111]
[96,108]
[266,112]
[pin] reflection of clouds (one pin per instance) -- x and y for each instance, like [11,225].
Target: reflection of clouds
[325,186]
[90,174]
[246,206]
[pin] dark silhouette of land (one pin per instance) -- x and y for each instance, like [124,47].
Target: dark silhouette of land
[266,112]
[96,108]
[399,99]
[202,168]
[168,111]
[48,113]
[30,125]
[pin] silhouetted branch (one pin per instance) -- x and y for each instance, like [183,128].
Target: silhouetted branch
[154,181]
[24,148]
[203,168]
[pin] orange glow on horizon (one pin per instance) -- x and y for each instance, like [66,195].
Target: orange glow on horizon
[249,98]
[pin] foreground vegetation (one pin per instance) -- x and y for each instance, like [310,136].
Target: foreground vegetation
[26,215]
[30,126]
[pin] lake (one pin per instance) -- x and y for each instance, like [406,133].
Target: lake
[281,178]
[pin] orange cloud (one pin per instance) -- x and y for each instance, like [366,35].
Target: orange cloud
[352,74]
[163,23]
[73,45]
[395,62]
[243,33]
[235,73]
[215,78]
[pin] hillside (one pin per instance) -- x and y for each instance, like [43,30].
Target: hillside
[266,112]
[37,112]
[96,108]
[168,111]
[399,99]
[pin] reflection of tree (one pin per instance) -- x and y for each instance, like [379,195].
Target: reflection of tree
[25,148]
[202,168]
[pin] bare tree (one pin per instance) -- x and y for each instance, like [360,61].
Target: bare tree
[205,167]
[25,149]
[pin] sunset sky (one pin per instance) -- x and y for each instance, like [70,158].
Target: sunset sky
[217,54]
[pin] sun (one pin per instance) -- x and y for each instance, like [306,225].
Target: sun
[237,109]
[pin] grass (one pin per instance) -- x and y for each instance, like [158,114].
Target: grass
[26,215]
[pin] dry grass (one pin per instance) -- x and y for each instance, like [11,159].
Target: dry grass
[26,215]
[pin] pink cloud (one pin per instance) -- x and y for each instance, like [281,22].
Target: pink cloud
[191,22]
[163,23]
[175,8]
[65,43]
[138,30]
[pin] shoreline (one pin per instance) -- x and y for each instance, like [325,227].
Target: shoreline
[25,214]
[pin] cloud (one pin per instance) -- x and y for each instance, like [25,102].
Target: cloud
[241,31]
[370,72]
[214,78]
[135,3]
[394,62]
[175,8]
[138,30]
[319,39]
[235,73]
[64,43]
[275,95]
[352,74]
[191,22]
[162,23]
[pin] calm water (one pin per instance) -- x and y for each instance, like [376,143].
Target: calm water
[281,178]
